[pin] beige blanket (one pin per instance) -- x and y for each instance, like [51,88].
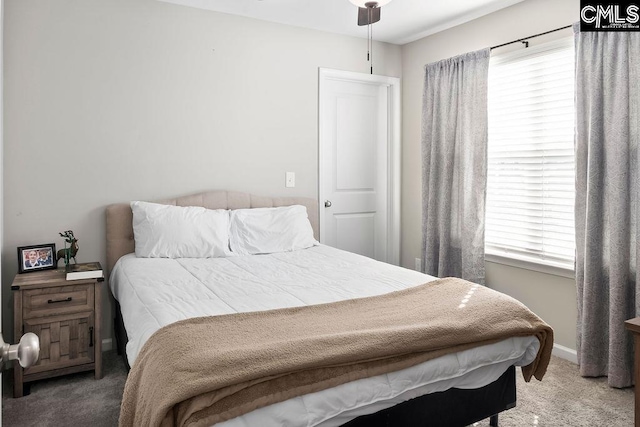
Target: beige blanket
[206,370]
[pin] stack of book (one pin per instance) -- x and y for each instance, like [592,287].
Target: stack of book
[86,270]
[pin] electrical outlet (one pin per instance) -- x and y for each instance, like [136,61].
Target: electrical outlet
[418,264]
[290,179]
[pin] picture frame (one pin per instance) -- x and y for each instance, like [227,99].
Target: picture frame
[36,258]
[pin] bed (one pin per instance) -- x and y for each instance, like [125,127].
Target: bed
[459,388]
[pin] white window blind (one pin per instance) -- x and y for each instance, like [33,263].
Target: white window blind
[531,166]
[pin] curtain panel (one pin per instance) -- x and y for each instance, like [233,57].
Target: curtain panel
[607,190]
[454,166]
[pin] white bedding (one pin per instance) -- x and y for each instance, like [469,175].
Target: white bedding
[154,292]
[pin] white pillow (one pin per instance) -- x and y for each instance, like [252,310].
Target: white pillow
[269,230]
[165,231]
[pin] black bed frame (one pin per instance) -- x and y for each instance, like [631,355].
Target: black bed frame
[452,408]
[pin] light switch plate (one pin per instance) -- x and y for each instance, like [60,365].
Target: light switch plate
[290,179]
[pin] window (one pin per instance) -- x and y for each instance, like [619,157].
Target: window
[531,166]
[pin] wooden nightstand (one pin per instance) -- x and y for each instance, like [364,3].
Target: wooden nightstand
[633,325]
[66,317]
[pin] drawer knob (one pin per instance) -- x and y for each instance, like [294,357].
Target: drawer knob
[53,301]
[27,352]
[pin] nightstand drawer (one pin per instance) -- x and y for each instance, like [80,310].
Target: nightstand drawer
[58,300]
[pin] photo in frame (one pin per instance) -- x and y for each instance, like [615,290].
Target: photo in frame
[36,258]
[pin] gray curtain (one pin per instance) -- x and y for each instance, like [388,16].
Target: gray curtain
[607,187]
[454,166]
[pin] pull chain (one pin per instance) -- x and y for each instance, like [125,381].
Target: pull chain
[371,42]
[370,16]
[368,35]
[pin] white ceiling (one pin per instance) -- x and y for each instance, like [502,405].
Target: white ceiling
[402,21]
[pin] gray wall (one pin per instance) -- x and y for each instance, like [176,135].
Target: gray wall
[551,297]
[115,100]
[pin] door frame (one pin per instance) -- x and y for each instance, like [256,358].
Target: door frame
[393,150]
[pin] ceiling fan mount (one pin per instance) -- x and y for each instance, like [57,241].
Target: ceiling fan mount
[368,15]
[369,11]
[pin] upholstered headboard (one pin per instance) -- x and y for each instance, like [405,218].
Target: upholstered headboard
[119,216]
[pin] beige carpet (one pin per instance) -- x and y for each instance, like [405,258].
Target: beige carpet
[563,398]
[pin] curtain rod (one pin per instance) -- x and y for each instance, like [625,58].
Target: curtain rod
[525,39]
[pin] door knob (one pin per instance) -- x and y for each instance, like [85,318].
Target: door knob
[26,352]
[327,204]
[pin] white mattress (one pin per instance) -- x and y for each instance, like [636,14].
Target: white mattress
[154,292]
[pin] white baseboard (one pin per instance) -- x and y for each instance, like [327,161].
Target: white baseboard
[107,344]
[565,353]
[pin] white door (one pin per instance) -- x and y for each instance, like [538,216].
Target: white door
[358,173]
